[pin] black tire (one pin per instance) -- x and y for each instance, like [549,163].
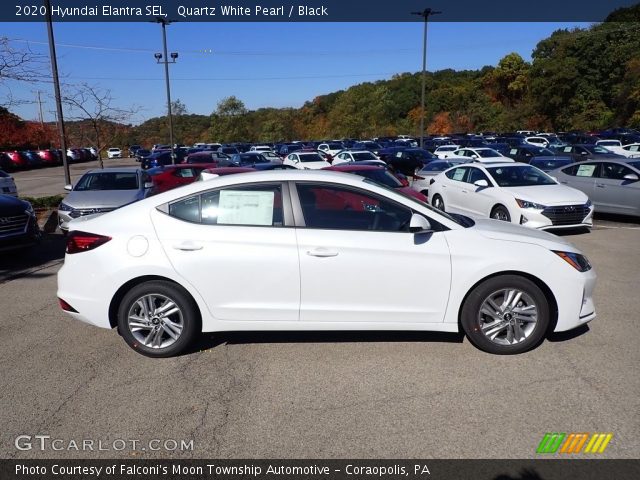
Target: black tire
[190,317]
[500,212]
[438,203]
[472,323]
[425,193]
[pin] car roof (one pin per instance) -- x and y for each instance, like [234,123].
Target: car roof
[115,170]
[349,167]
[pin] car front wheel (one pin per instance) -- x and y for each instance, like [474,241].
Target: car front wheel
[158,319]
[505,315]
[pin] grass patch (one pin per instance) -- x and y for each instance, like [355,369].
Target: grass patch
[44,202]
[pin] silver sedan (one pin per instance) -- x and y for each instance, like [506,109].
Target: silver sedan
[613,186]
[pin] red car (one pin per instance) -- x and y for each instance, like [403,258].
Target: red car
[172,176]
[228,170]
[18,159]
[49,157]
[379,174]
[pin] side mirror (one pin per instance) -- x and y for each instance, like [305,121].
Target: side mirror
[148,185]
[481,183]
[632,177]
[474,157]
[68,188]
[419,224]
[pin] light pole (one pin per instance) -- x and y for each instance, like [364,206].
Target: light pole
[426,13]
[56,89]
[165,59]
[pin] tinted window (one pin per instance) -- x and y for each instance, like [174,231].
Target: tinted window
[614,171]
[381,176]
[333,207]
[310,157]
[476,174]
[254,205]
[364,156]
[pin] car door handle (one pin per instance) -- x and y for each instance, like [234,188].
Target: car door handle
[563,183]
[322,252]
[600,185]
[465,191]
[187,246]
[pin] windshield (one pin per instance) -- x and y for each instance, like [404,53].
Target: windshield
[335,146]
[380,176]
[541,152]
[488,153]
[364,156]
[550,164]
[635,164]
[310,157]
[258,158]
[519,176]
[597,149]
[439,166]
[108,181]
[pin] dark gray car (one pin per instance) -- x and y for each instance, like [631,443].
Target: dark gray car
[102,190]
[613,186]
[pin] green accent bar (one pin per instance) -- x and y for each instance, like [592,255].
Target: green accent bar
[558,442]
[543,444]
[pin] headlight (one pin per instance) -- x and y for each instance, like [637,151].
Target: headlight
[526,204]
[588,204]
[29,209]
[64,207]
[577,261]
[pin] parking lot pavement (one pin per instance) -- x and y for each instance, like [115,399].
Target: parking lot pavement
[310,395]
[45,182]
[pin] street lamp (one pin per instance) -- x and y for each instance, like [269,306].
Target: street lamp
[160,58]
[426,13]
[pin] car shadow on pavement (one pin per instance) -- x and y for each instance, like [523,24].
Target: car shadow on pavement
[617,218]
[568,335]
[212,340]
[16,263]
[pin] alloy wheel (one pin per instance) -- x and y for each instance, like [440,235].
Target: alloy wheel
[508,316]
[155,320]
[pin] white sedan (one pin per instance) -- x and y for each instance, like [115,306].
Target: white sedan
[261,251]
[350,156]
[445,151]
[482,154]
[306,161]
[114,152]
[512,192]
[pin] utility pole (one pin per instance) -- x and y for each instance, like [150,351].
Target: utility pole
[426,13]
[39,101]
[165,59]
[56,87]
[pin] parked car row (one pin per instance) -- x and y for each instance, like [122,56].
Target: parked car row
[28,159]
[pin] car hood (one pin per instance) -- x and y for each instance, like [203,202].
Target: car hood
[548,194]
[499,230]
[551,157]
[101,198]
[11,206]
[412,193]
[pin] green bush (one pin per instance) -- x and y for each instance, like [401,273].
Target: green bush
[44,202]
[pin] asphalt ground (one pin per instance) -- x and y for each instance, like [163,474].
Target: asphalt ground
[317,395]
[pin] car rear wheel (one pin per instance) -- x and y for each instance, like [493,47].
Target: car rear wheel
[500,212]
[438,202]
[505,315]
[158,319]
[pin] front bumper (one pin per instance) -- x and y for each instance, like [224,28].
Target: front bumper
[22,239]
[554,217]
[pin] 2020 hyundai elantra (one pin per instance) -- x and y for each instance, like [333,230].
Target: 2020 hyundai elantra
[264,251]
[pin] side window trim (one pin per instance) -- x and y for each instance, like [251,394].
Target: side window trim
[287,210]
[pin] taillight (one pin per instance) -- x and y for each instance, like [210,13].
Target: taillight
[82,241]
[66,307]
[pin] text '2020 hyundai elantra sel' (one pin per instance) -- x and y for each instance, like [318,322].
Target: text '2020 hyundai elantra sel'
[264,250]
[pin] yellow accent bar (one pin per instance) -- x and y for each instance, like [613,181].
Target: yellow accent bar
[596,445]
[591,442]
[581,442]
[567,442]
[606,441]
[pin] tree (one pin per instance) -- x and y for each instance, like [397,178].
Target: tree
[92,105]
[229,121]
[18,65]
